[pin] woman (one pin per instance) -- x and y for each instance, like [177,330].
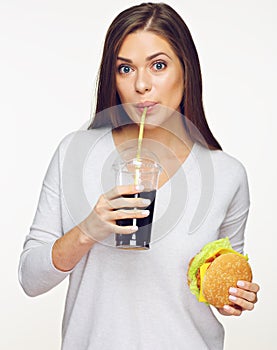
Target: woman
[139,299]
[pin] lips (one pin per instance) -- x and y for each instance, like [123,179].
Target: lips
[147,104]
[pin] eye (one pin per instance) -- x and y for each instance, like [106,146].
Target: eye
[124,69]
[159,65]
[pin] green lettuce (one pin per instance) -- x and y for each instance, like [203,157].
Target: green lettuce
[200,259]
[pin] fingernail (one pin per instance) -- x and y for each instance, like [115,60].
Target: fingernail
[226,307]
[145,212]
[133,228]
[232,297]
[240,284]
[146,201]
[139,187]
[233,290]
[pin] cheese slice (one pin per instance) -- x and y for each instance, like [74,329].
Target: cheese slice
[225,251]
[203,270]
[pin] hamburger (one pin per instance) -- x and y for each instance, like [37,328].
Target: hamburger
[215,269]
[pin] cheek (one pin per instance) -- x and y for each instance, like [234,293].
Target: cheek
[118,86]
[178,81]
[123,90]
[175,89]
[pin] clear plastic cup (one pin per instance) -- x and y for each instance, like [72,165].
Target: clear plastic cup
[144,171]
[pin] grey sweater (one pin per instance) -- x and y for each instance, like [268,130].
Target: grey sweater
[134,300]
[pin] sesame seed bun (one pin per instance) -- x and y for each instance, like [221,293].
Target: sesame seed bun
[223,273]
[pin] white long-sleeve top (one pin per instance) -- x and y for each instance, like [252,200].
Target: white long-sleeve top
[134,300]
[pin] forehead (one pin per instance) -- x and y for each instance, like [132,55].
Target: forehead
[144,42]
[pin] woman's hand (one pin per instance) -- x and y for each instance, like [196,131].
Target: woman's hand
[102,220]
[244,297]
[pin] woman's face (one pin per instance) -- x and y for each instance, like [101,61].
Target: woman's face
[149,74]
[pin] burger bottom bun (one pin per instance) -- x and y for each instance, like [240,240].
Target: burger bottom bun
[223,273]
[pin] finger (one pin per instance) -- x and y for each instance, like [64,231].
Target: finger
[243,294]
[122,202]
[244,304]
[232,310]
[126,214]
[121,190]
[253,287]
[123,230]
[105,200]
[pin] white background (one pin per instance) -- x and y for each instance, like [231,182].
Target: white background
[50,53]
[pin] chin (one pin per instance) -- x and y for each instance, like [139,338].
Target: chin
[151,126]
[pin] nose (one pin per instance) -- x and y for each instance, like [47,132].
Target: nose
[143,82]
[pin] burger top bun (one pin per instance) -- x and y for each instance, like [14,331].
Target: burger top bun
[223,273]
[215,269]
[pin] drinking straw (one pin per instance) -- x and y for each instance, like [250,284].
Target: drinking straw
[141,129]
[140,137]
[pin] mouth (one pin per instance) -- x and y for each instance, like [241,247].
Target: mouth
[149,104]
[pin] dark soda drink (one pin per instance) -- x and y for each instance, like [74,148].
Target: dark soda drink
[141,238]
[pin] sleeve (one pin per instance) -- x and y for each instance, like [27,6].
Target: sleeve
[235,220]
[36,272]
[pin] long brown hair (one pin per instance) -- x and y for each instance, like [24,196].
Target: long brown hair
[164,21]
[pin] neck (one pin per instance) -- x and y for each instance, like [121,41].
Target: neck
[171,135]
[171,146]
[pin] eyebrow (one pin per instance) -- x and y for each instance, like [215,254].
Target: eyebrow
[149,58]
